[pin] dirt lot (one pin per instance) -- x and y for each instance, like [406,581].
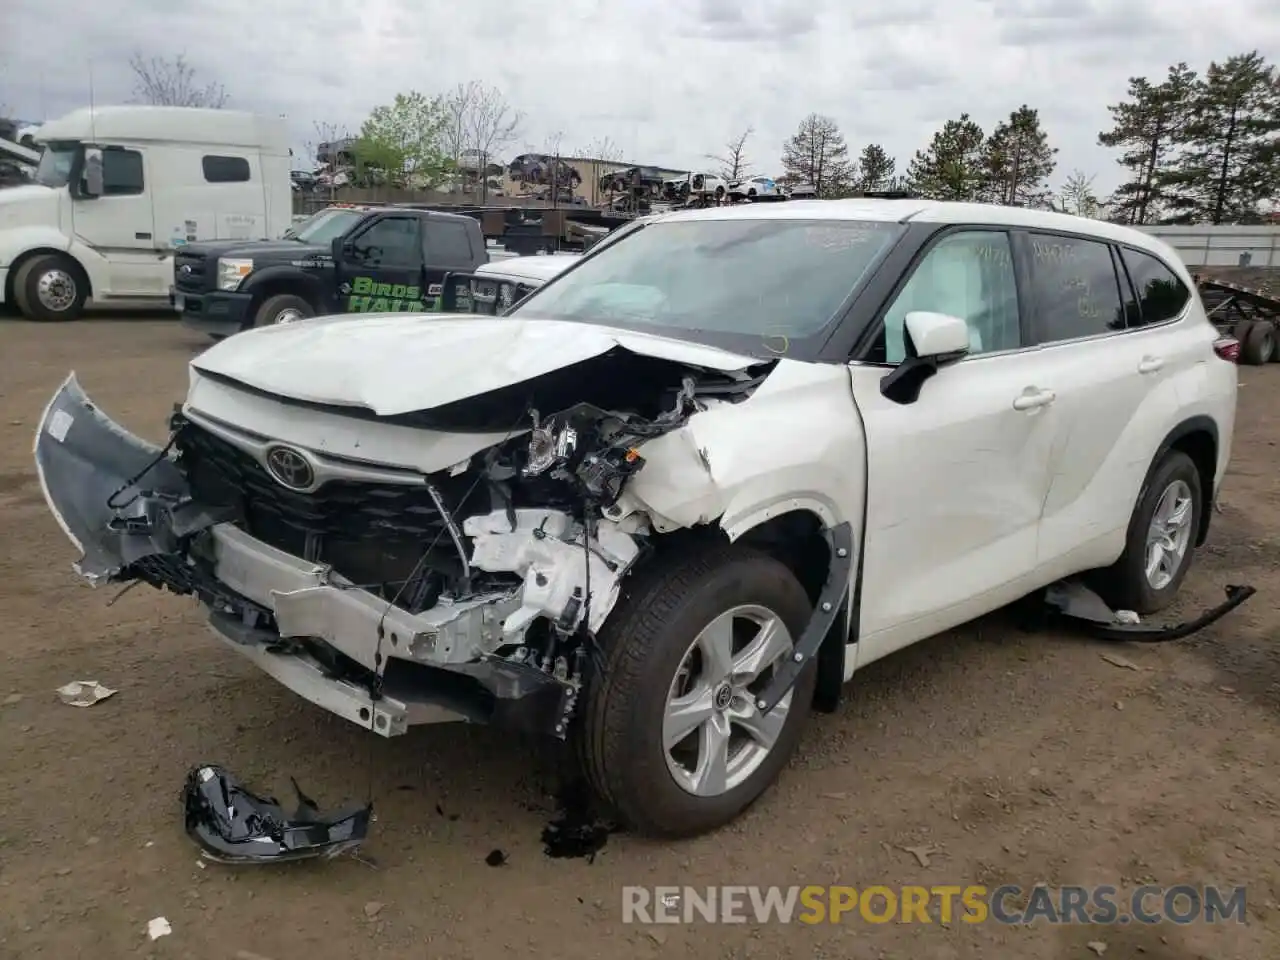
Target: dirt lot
[1017,757]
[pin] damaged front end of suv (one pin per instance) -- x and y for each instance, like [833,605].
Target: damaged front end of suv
[468,585]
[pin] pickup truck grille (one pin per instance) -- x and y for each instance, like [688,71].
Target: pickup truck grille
[373,534]
[193,273]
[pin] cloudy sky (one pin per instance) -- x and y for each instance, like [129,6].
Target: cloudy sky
[668,81]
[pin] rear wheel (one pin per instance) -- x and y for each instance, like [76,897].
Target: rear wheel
[50,288]
[670,737]
[1258,344]
[282,308]
[1161,539]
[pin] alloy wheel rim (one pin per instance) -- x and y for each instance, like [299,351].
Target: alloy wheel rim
[1169,535]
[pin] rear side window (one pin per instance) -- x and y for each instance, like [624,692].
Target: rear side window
[390,242]
[121,172]
[1076,288]
[1161,294]
[225,169]
[447,244]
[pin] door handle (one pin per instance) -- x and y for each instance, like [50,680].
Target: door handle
[1031,399]
[1150,364]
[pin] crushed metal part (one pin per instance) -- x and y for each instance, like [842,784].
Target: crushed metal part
[1075,602]
[232,825]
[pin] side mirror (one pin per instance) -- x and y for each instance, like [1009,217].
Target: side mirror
[91,181]
[937,335]
[932,340]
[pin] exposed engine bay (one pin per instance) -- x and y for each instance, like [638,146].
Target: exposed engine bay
[390,596]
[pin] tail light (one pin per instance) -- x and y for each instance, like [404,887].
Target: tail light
[1228,348]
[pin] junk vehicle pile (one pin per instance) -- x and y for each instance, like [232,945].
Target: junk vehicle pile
[663,514]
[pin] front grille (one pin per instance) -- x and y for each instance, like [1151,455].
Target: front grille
[374,534]
[193,272]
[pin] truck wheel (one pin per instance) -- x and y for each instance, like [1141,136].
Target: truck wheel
[1258,345]
[1161,539]
[282,308]
[50,288]
[669,737]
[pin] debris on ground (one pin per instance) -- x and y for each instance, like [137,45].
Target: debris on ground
[1097,946]
[372,909]
[923,853]
[83,693]
[158,927]
[496,858]
[13,698]
[575,832]
[232,825]
[1118,661]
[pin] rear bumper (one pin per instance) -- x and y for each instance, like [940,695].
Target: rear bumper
[220,313]
[341,647]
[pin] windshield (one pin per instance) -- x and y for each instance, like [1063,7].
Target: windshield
[324,227]
[56,163]
[740,283]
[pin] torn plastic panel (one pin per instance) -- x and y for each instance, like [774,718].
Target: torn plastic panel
[118,498]
[1074,601]
[232,825]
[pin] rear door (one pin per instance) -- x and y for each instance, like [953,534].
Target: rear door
[956,479]
[1109,374]
[381,270]
[449,245]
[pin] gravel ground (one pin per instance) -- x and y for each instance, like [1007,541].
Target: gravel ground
[1016,757]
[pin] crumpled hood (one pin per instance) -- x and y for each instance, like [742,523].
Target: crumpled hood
[400,363]
[29,205]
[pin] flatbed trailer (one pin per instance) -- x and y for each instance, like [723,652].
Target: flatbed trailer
[1244,302]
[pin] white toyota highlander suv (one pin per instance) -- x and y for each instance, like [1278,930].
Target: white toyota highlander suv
[667,505]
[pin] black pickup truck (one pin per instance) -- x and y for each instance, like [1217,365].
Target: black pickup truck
[342,260]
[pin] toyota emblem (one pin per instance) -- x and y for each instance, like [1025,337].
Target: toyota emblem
[291,468]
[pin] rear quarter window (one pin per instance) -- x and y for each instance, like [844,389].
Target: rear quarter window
[1160,293]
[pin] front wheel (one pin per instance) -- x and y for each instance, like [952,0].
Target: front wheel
[670,737]
[282,308]
[50,288]
[1161,539]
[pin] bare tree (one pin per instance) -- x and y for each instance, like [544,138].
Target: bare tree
[733,162]
[479,124]
[1077,196]
[604,155]
[325,133]
[172,83]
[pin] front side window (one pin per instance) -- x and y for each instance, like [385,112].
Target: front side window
[1161,294]
[391,242]
[752,285]
[56,163]
[968,275]
[121,172]
[1076,289]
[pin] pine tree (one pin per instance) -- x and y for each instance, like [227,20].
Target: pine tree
[875,168]
[951,168]
[1017,161]
[1231,161]
[817,154]
[1149,125]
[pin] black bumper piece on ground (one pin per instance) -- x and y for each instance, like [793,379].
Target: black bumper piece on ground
[218,314]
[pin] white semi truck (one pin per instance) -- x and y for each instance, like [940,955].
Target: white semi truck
[119,188]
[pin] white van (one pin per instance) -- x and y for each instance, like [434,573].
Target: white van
[119,188]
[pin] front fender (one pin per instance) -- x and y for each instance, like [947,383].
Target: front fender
[270,275]
[16,241]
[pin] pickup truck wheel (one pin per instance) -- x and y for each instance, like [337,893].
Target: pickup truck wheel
[282,308]
[1161,539]
[670,737]
[50,288]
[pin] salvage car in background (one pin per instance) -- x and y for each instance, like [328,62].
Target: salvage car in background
[665,513]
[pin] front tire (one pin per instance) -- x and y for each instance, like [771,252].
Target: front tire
[669,738]
[1161,539]
[50,288]
[282,308]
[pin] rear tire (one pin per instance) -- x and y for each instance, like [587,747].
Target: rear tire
[1127,584]
[282,308]
[653,647]
[1258,345]
[50,288]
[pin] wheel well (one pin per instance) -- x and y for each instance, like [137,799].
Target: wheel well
[797,540]
[12,275]
[1201,446]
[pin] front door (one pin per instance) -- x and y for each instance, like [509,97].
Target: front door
[119,225]
[381,268]
[956,479]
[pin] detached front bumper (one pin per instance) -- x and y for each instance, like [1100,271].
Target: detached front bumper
[220,313]
[128,509]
